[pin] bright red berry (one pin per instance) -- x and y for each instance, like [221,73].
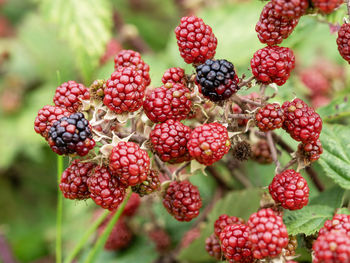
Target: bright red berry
[310,151]
[132,205]
[339,222]
[130,58]
[225,220]
[124,91]
[213,247]
[174,75]
[169,140]
[269,117]
[235,243]
[170,101]
[74,180]
[326,6]
[273,64]
[119,238]
[301,121]
[70,94]
[182,200]
[129,163]
[150,185]
[209,143]
[290,9]
[333,248]
[268,234]
[195,39]
[261,152]
[343,41]
[46,117]
[272,28]
[105,189]
[290,189]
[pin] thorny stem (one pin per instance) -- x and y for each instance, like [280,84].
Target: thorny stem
[248,101]
[240,116]
[161,166]
[139,138]
[289,164]
[182,167]
[246,82]
[273,150]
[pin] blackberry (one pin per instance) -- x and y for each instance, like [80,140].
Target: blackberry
[174,75]
[261,152]
[150,185]
[343,41]
[310,151]
[225,220]
[327,6]
[290,9]
[269,117]
[339,222]
[70,135]
[213,247]
[217,79]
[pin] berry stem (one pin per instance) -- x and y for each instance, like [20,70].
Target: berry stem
[162,167]
[240,116]
[84,239]
[103,238]
[59,211]
[273,150]
[246,82]
[135,137]
[289,164]
[180,169]
[248,101]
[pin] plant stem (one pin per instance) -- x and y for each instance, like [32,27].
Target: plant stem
[103,238]
[85,238]
[273,150]
[162,167]
[59,211]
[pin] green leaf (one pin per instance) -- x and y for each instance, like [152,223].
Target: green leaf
[336,110]
[85,25]
[307,220]
[332,197]
[344,211]
[335,159]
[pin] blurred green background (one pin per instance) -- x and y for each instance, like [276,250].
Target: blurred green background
[78,39]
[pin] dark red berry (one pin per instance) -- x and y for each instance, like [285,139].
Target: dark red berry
[46,117]
[326,6]
[170,101]
[182,200]
[129,163]
[130,58]
[174,75]
[195,39]
[343,41]
[272,28]
[301,122]
[105,189]
[339,222]
[132,205]
[290,9]
[235,243]
[290,190]
[209,143]
[161,239]
[273,64]
[268,234]
[70,94]
[71,135]
[169,140]
[213,247]
[261,152]
[74,180]
[333,248]
[150,185]
[269,117]
[124,91]
[310,151]
[225,220]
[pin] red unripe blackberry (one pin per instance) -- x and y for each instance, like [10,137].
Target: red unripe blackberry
[132,205]
[129,163]
[213,247]
[290,9]
[261,152]
[332,248]
[235,243]
[269,117]
[217,79]
[273,64]
[310,151]
[150,185]
[301,122]
[268,234]
[272,28]
[170,101]
[130,58]
[70,94]
[225,220]
[105,189]
[339,222]
[46,117]
[161,239]
[124,91]
[169,140]
[74,180]
[290,189]
[209,143]
[195,39]
[326,6]
[182,200]
[315,81]
[71,135]
[343,41]
[174,75]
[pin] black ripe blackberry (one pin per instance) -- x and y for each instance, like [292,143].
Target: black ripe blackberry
[71,135]
[217,79]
